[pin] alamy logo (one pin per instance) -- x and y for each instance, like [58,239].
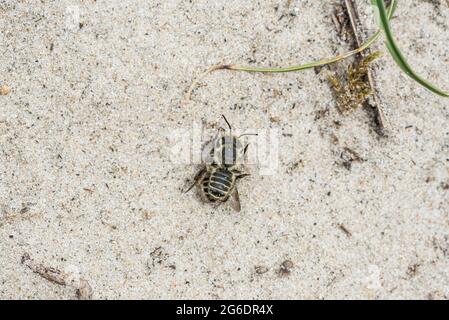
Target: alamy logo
[254,147]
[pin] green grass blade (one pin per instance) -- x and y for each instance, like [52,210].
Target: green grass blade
[364,46]
[383,21]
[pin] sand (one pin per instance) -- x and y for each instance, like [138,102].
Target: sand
[93,164]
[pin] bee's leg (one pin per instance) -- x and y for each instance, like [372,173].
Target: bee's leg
[245,153]
[242,175]
[219,133]
[217,136]
[235,200]
[245,149]
[217,204]
[198,177]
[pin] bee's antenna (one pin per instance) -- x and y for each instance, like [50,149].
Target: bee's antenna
[248,134]
[229,125]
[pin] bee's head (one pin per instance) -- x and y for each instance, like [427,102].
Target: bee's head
[228,150]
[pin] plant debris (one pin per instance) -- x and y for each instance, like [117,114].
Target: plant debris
[159,258]
[83,289]
[341,21]
[261,269]
[412,270]
[348,156]
[4,90]
[286,268]
[354,90]
[25,212]
[345,230]
[348,24]
[188,95]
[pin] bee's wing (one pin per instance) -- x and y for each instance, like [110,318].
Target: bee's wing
[235,200]
[197,178]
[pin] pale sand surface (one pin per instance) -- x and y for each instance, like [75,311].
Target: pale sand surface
[88,184]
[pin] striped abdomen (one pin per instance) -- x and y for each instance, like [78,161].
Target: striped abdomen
[218,186]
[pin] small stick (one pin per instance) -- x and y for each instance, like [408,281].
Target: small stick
[50,274]
[376,105]
[345,230]
[83,290]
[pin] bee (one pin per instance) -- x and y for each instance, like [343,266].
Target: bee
[218,177]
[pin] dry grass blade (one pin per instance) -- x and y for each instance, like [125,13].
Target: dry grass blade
[319,63]
[205,73]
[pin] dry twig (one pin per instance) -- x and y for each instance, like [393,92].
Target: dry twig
[83,289]
[375,103]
